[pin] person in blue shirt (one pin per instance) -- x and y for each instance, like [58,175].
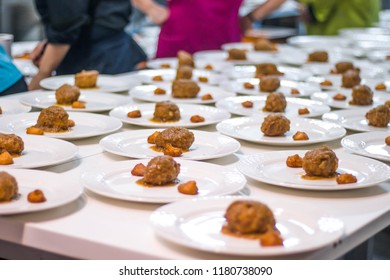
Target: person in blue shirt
[11,79]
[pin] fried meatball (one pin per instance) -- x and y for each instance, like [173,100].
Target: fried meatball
[248,217]
[378,116]
[161,170]
[185,89]
[321,162]
[8,186]
[236,54]
[269,84]
[343,66]
[86,79]
[165,111]
[266,69]
[185,58]
[67,94]
[361,95]
[276,102]
[53,119]
[178,137]
[11,143]
[350,79]
[263,44]
[318,56]
[275,125]
[184,72]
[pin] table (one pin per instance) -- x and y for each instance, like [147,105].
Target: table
[95,227]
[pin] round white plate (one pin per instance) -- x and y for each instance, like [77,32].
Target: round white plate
[207,145]
[250,47]
[43,151]
[116,181]
[87,125]
[315,41]
[352,119]
[212,115]
[95,101]
[336,82]
[305,89]
[271,168]
[379,55]
[219,55]
[26,67]
[327,98]
[104,83]
[249,129]
[369,144]
[249,71]
[58,190]
[169,75]
[20,48]
[200,64]
[146,93]
[197,224]
[352,31]
[234,105]
[10,107]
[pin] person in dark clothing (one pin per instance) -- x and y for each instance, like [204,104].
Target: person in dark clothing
[85,35]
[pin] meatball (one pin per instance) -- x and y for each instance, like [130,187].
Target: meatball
[236,54]
[266,69]
[178,137]
[86,79]
[11,143]
[361,95]
[161,170]
[165,111]
[276,102]
[67,94]
[248,217]
[321,162]
[184,89]
[275,125]
[318,56]
[185,58]
[263,44]
[53,119]
[269,84]
[378,116]
[343,66]
[350,79]
[184,72]
[8,186]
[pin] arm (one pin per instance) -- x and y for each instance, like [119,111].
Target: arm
[156,13]
[51,58]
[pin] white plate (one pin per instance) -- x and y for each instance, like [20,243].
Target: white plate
[10,107]
[197,224]
[20,48]
[58,190]
[305,89]
[200,64]
[379,55]
[87,125]
[352,119]
[249,71]
[116,181]
[95,101]
[249,129]
[169,75]
[43,151]
[337,82]
[207,145]
[271,168]
[146,93]
[26,67]
[104,83]
[369,144]
[234,105]
[212,115]
[327,98]
[221,56]
[250,47]
[315,41]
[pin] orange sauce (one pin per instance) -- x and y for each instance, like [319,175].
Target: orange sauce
[146,185]
[159,121]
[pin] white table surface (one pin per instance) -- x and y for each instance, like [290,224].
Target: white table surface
[95,227]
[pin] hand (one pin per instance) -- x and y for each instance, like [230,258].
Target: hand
[245,25]
[34,84]
[158,14]
[37,53]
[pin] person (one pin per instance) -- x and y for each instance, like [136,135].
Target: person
[325,17]
[85,35]
[193,25]
[11,79]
